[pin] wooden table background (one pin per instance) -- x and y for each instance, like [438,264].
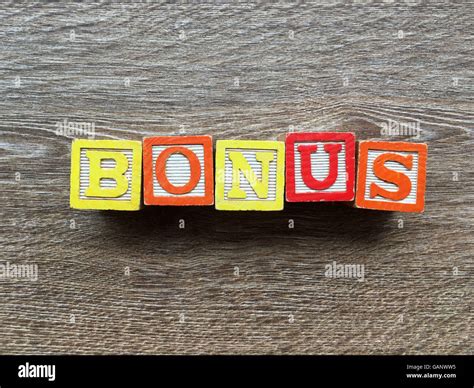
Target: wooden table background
[235,282]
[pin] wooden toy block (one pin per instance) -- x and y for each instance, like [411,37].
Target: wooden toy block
[391,176]
[178,170]
[106,174]
[250,175]
[320,166]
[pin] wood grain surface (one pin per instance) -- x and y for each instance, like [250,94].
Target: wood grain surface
[118,282]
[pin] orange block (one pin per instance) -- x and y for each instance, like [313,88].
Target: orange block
[178,170]
[391,176]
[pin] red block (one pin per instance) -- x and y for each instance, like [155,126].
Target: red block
[320,166]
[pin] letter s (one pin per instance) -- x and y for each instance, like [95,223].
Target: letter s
[398,178]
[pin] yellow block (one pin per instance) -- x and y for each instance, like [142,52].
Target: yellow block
[250,175]
[106,174]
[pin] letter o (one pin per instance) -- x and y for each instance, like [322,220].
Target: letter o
[195,170]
